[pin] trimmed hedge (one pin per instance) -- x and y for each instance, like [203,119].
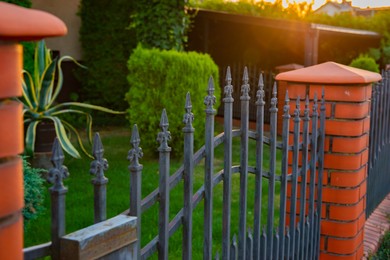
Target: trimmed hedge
[106,45]
[160,79]
[365,62]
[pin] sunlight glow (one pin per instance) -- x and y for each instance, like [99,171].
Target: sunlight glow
[357,3]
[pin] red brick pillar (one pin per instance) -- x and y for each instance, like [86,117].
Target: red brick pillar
[347,96]
[16,24]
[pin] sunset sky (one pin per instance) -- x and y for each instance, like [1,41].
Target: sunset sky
[357,3]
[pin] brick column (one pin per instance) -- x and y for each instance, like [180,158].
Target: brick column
[347,96]
[17,24]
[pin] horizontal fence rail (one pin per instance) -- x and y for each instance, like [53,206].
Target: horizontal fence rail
[378,176]
[292,175]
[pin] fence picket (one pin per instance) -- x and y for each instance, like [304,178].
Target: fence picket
[209,101]
[98,166]
[249,245]
[287,243]
[233,248]
[227,176]
[244,164]
[135,169]
[272,169]
[283,185]
[188,173]
[303,184]
[263,242]
[276,245]
[294,179]
[313,160]
[58,194]
[164,151]
[259,168]
[321,148]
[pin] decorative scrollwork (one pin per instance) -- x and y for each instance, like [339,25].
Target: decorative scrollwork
[245,85]
[260,94]
[210,99]
[164,136]
[59,171]
[188,116]
[136,152]
[100,164]
[228,90]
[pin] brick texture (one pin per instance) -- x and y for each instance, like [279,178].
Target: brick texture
[347,127]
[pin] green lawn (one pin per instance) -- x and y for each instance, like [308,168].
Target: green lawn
[116,141]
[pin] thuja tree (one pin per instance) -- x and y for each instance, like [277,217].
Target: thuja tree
[106,44]
[160,24]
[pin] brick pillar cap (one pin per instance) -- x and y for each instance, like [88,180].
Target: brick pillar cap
[19,23]
[330,73]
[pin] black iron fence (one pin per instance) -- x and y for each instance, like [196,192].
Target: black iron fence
[253,72]
[297,232]
[378,182]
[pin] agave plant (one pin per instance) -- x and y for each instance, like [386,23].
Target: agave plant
[40,92]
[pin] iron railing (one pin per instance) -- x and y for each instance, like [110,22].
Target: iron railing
[378,181]
[297,233]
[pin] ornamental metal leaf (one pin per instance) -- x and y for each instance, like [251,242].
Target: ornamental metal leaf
[323,100]
[210,99]
[164,136]
[136,152]
[307,110]
[274,99]
[286,107]
[245,85]
[260,94]
[100,164]
[59,171]
[297,108]
[188,116]
[228,90]
[315,105]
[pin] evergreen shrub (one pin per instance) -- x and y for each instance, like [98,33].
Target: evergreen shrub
[33,192]
[106,45]
[365,62]
[160,79]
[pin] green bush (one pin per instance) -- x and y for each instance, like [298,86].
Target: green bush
[365,62]
[106,45]
[33,192]
[160,79]
[384,249]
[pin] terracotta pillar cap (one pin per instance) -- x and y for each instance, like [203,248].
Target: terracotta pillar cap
[19,23]
[330,73]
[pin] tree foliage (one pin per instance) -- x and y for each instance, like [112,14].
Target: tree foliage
[160,24]
[257,8]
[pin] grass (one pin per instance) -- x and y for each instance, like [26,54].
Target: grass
[116,141]
[383,252]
